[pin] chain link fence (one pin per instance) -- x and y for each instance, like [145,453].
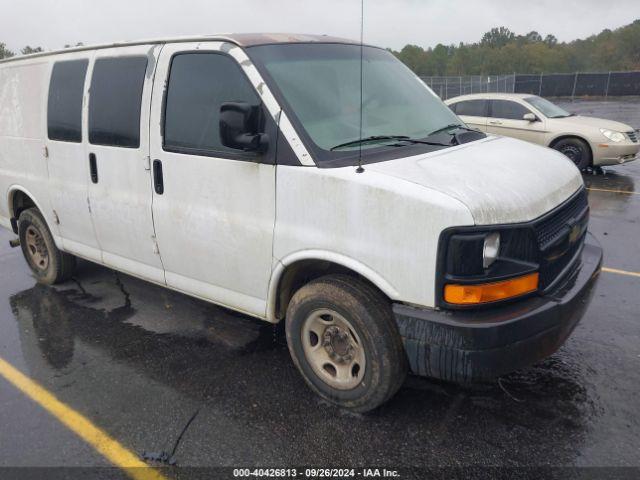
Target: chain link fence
[579,84]
[448,87]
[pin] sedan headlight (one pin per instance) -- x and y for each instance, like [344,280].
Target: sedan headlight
[613,135]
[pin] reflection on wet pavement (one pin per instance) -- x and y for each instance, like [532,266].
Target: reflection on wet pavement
[97,333]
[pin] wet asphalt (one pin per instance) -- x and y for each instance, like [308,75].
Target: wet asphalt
[141,361]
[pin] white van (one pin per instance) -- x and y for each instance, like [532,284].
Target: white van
[226,167]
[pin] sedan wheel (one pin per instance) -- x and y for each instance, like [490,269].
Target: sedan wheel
[575,150]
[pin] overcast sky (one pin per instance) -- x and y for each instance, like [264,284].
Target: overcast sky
[51,24]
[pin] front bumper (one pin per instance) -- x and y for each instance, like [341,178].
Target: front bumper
[463,346]
[615,154]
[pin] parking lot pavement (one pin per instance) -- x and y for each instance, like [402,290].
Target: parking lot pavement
[142,363]
[622,109]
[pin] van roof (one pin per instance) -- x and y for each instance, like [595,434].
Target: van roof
[240,39]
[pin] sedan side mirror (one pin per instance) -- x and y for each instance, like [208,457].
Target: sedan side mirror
[240,125]
[530,117]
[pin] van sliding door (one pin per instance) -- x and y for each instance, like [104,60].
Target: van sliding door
[117,156]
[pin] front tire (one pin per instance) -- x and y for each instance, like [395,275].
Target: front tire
[47,262]
[343,338]
[576,150]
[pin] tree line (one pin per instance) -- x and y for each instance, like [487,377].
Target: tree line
[501,51]
[6,53]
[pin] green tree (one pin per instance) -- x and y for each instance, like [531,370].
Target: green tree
[4,52]
[497,37]
[437,60]
[413,57]
[28,50]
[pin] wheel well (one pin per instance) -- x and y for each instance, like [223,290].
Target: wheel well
[302,272]
[565,137]
[20,201]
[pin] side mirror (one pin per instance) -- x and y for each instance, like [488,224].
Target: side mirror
[240,125]
[530,117]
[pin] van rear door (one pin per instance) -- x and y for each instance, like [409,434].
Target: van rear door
[214,207]
[65,149]
[117,157]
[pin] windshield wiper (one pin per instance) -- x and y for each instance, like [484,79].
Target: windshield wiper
[452,125]
[414,140]
[370,139]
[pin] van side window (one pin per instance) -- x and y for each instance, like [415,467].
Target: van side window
[64,106]
[472,108]
[114,101]
[507,110]
[198,84]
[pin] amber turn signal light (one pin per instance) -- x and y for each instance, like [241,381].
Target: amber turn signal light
[490,292]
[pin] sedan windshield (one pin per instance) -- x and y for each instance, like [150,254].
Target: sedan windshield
[548,109]
[320,84]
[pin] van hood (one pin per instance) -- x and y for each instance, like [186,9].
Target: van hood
[499,179]
[593,122]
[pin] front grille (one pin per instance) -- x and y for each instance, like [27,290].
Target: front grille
[553,233]
[550,271]
[552,225]
[633,136]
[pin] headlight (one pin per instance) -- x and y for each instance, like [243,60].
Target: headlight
[490,249]
[478,266]
[613,135]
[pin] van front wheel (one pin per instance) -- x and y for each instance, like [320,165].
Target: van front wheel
[47,262]
[343,338]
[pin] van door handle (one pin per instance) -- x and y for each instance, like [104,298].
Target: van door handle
[158,181]
[495,122]
[93,167]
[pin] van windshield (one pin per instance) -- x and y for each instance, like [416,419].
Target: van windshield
[320,87]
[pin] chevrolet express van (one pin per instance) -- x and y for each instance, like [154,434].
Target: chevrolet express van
[253,172]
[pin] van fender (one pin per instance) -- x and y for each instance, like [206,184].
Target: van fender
[347,262]
[19,188]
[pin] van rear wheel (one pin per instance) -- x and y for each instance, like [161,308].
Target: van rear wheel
[47,262]
[343,338]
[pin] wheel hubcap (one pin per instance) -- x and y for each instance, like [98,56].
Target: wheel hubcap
[36,248]
[333,349]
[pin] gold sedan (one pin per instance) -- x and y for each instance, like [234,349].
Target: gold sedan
[587,141]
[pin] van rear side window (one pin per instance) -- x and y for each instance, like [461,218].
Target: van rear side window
[64,106]
[114,101]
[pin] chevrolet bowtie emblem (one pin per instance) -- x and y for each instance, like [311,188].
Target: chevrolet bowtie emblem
[574,234]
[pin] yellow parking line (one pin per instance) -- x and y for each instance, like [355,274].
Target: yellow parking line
[612,191]
[621,272]
[80,425]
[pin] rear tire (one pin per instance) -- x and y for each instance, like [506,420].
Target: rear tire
[343,338]
[576,150]
[47,262]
